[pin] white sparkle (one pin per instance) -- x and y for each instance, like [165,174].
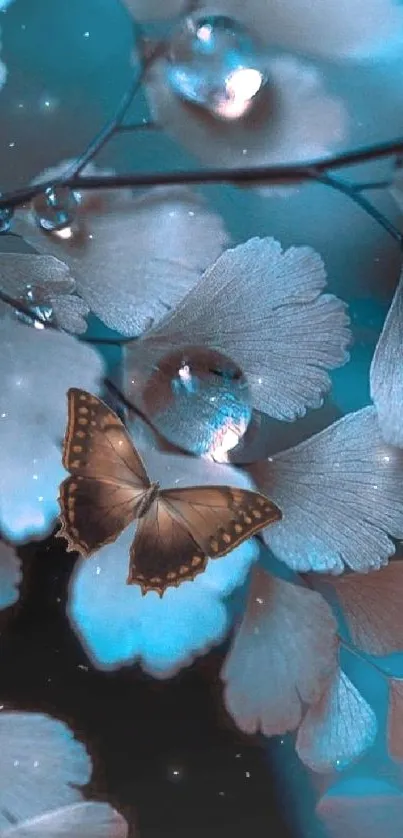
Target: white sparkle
[98,571]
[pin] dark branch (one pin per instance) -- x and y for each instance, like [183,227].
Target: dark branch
[288,173]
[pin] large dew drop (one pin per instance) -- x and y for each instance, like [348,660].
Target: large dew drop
[213,62]
[198,399]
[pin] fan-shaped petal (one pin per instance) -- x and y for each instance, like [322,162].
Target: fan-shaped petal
[338,729]
[372,608]
[82,820]
[376,811]
[43,284]
[341,495]
[41,766]
[262,308]
[281,658]
[36,368]
[161,242]
[386,374]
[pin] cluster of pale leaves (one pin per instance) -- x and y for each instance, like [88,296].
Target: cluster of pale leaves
[43,769]
[340,491]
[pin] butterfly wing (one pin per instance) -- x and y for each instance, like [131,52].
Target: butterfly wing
[108,479]
[184,527]
[163,552]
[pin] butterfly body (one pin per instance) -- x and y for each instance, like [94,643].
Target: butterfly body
[147,499]
[177,529]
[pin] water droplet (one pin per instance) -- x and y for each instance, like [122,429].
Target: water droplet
[198,399]
[215,63]
[34,301]
[6,217]
[55,208]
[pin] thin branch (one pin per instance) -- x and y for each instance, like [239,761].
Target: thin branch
[289,173]
[361,201]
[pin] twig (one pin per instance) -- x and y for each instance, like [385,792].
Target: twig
[289,173]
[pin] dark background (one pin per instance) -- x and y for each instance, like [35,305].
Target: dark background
[139,731]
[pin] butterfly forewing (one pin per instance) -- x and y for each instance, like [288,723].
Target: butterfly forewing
[185,527]
[163,552]
[94,512]
[97,444]
[108,481]
[220,517]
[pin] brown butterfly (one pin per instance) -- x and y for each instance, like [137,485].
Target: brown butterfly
[178,529]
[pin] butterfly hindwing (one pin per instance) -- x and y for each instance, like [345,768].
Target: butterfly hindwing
[185,527]
[220,517]
[108,480]
[163,552]
[97,444]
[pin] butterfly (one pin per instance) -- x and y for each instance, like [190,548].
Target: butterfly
[177,530]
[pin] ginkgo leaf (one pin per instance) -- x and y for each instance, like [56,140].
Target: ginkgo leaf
[41,766]
[282,656]
[262,308]
[370,814]
[386,375]
[135,255]
[341,495]
[82,820]
[338,729]
[395,718]
[43,284]
[372,608]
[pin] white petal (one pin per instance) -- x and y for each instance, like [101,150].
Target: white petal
[36,368]
[162,241]
[341,495]
[372,608]
[10,575]
[82,820]
[386,374]
[119,626]
[40,762]
[350,28]
[376,809]
[144,10]
[298,120]
[264,310]
[281,658]
[50,284]
[338,729]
